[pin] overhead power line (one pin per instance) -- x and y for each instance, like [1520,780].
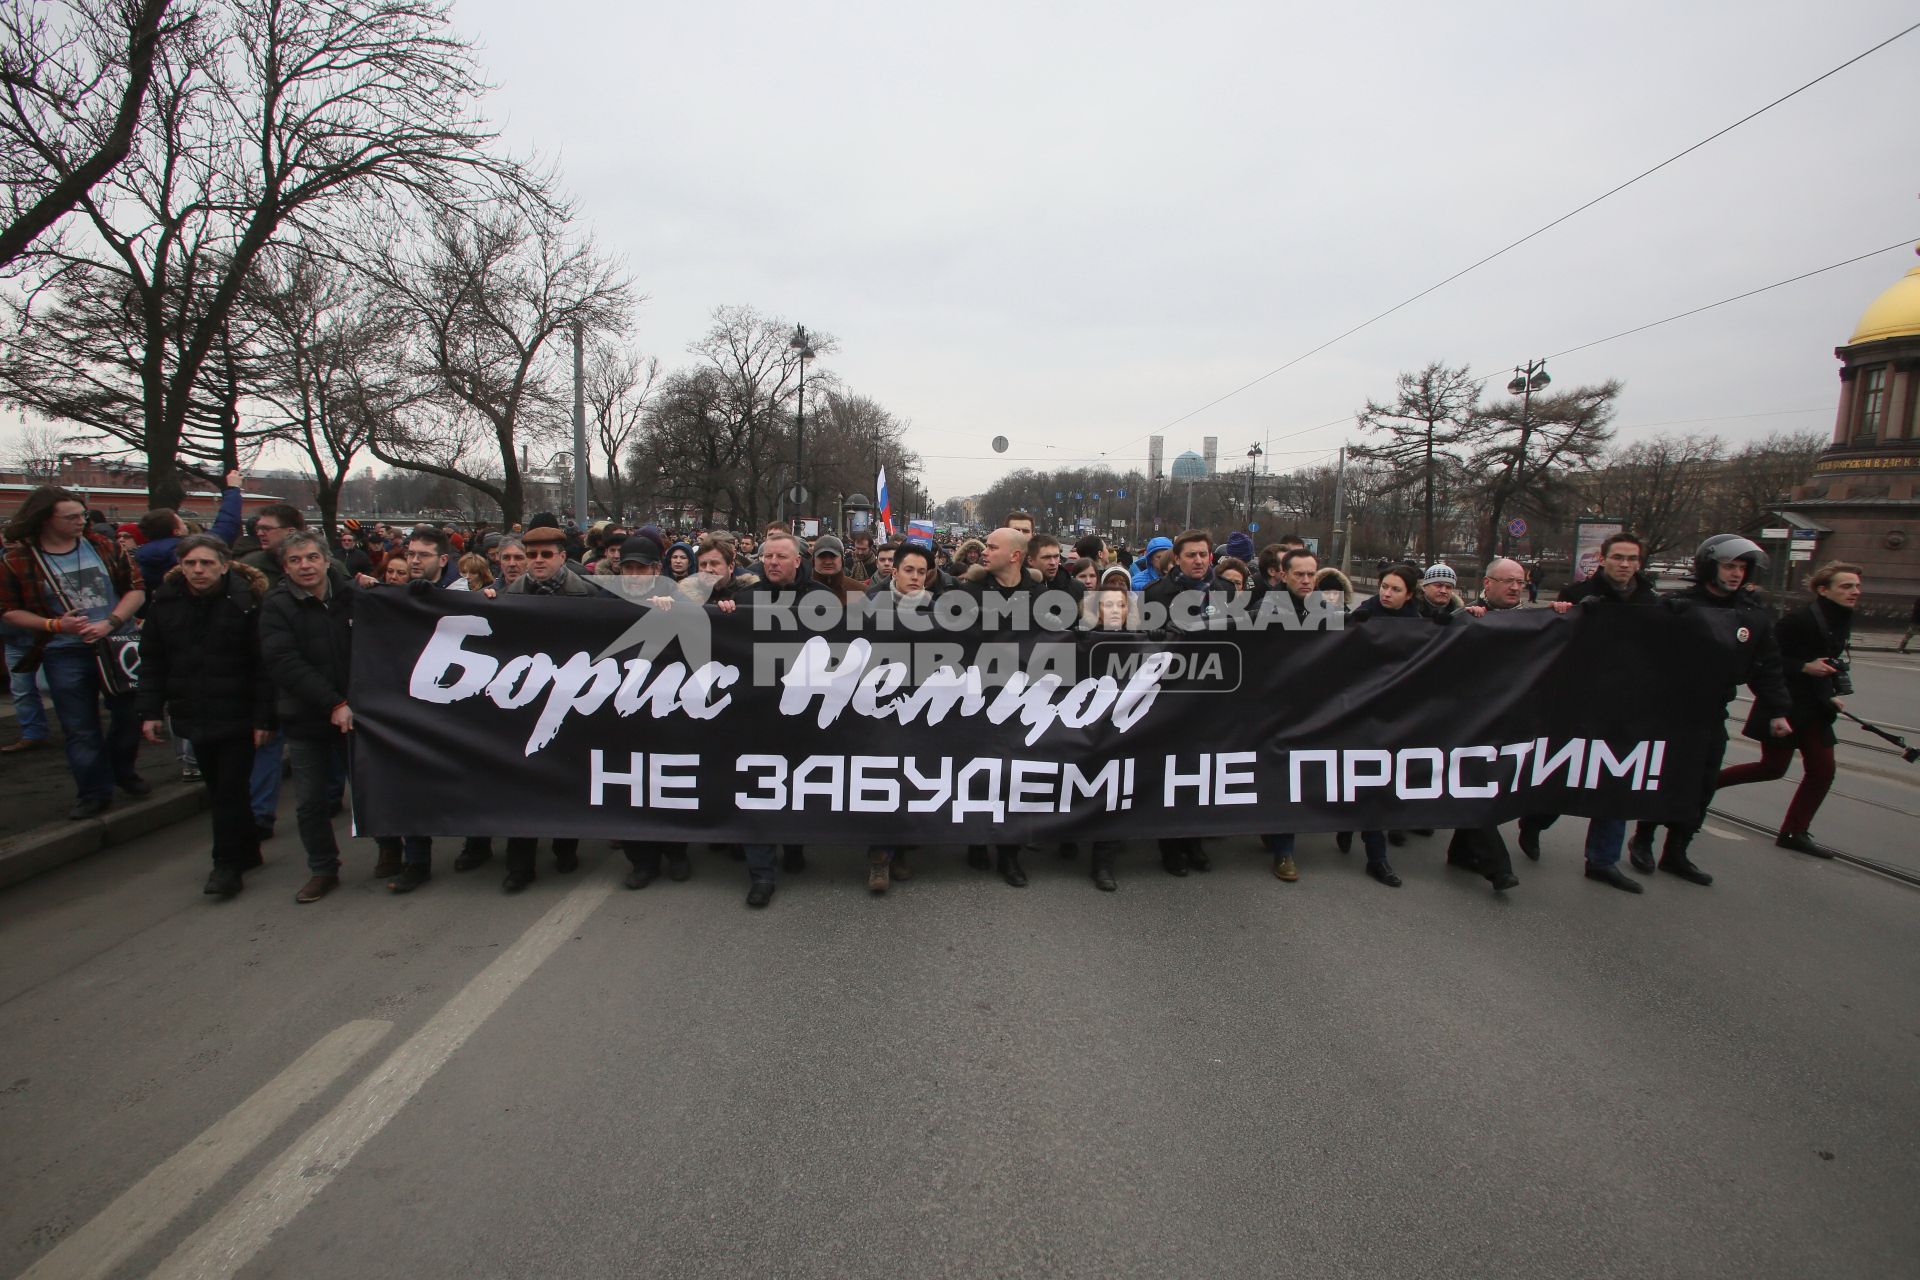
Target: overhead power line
[1537,231]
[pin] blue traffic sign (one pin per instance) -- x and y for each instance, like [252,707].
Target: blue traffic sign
[1517,527]
[1252,527]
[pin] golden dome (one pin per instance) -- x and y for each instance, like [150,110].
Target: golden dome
[1894,314]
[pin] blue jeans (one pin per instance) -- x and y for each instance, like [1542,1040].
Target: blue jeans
[25,689]
[763,861]
[266,780]
[1280,846]
[1605,836]
[97,761]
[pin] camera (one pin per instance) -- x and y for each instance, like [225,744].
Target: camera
[1842,677]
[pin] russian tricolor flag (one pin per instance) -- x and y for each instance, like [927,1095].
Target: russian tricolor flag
[920,531]
[884,504]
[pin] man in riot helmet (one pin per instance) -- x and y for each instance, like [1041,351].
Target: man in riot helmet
[1724,566]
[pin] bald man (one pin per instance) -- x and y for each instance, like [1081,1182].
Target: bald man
[1504,587]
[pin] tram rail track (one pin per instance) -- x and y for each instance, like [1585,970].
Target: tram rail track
[1877,867]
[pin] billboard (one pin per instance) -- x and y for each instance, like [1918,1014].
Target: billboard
[1588,534]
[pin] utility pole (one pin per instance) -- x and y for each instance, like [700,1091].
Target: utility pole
[580,513]
[799,345]
[1339,507]
[1525,382]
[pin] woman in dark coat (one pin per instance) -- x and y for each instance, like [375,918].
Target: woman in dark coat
[1813,650]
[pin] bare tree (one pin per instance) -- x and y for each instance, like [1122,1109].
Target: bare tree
[36,450]
[73,76]
[685,452]
[850,437]
[1524,454]
[266,119]
[1658,487]
[326,379]
[1420,434]
[759,373]
[620,383]
[484,301]
[1759,477]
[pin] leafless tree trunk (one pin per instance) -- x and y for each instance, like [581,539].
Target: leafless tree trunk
[63,127]
[265,119]
[620,384]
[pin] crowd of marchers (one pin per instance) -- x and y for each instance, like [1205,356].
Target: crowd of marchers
[245,640]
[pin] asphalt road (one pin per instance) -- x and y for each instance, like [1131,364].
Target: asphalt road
[1874,807]
[1216,1076]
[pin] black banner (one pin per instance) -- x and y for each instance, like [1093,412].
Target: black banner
[596,717]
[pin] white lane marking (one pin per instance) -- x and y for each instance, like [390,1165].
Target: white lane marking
[1885,666]
[145,1209]
[244,1226]
[1724,835]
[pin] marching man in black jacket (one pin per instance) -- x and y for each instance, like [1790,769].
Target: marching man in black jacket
[199,658]
[1722,568]
[305,627]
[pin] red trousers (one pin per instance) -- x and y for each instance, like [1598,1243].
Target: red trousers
[1775,755]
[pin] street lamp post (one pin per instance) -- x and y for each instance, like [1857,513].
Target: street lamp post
[1523,384]
[800,344]
[1253,462]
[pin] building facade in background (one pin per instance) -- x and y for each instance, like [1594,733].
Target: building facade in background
[1863,499]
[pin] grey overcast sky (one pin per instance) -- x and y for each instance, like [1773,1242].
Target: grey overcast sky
[1074,223]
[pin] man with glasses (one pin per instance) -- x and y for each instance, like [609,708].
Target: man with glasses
[1504,587]
[271,528]
[429,552]
[65,588]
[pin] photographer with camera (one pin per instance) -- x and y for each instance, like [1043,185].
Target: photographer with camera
[1813,649]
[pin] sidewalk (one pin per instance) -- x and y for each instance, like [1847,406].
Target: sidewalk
[35,787]
[36,791]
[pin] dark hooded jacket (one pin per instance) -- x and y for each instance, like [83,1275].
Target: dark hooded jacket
[200,657]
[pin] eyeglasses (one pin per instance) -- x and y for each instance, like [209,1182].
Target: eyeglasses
[548,554]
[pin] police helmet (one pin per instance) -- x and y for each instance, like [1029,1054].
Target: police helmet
[1724,547]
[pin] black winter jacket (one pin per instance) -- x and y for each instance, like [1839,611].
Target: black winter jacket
[1755,658]
[1803,639]
[1597,589]
[305,644]
[200,657]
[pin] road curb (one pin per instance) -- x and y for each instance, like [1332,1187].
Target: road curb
[58,843]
